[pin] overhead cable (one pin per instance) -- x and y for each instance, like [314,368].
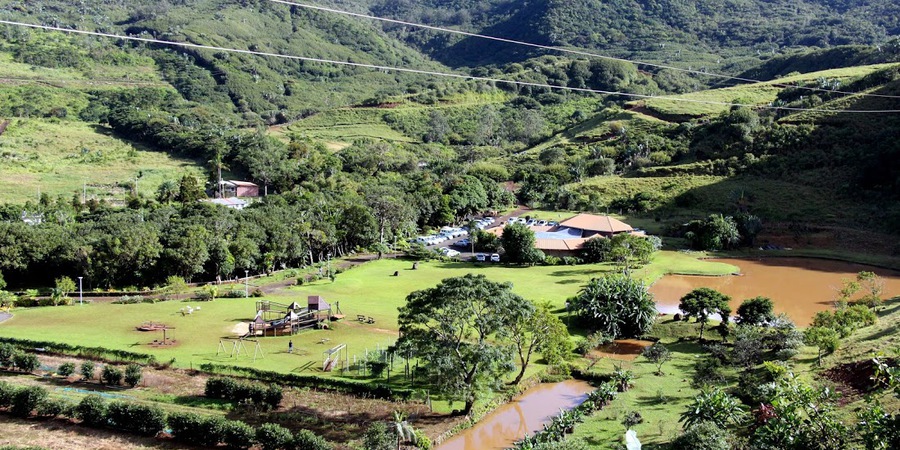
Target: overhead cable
[567,50]
[426,72]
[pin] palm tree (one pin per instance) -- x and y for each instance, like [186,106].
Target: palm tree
[404,430]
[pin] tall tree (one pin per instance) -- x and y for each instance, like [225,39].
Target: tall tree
[454,328]
[704,302]
[539,330]
[392,211]
[518,245]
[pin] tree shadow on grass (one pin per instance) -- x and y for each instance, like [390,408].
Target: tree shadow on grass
[686,347]
[570,282]
[575,272]
[881,334]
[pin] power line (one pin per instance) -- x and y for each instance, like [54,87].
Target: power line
[566,50]
[427,72]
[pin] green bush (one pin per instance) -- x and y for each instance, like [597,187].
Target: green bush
[307,440]
[133,374]
[196,429]
[111,376]
[7,351]
[87,370]
[7,394]
[267,397]
[703,436]
[27,400]
[55,407]
[92,411]
[421,441]
[66,369]
[274,437]
[377,437]
[26,362]
[238,435]
[146,420]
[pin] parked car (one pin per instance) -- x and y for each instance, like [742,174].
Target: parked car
[542,223]
[480,257]
[521,220]
[462,243]
[512,219]
[452,253]
[552,223]
[531,223]
[495,257]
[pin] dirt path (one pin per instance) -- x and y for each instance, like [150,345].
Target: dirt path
[5,316]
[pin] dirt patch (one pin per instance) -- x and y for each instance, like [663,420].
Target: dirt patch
[853,380]
[63,434]
[241,329]
[622,350]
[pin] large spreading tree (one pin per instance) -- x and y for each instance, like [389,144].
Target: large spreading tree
[457,328]
[616,305]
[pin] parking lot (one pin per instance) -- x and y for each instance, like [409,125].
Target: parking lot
[454,241]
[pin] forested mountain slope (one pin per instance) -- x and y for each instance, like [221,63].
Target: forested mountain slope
[704,31]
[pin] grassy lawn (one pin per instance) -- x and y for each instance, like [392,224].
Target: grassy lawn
[368,290]
[57,156]
[659,399]
[753,94]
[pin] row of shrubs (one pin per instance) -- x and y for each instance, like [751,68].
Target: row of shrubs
[13,358]
[265,397]
[564,423]
[358,388]
[98,353]
[150,420]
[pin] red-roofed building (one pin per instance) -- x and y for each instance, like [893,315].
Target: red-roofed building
[234,188]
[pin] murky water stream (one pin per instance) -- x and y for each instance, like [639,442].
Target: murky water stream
[799,287]
[524,415]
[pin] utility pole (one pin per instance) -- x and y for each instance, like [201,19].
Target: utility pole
[246,283]
[80,293]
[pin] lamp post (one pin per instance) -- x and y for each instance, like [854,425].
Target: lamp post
[80,293]
[246,283]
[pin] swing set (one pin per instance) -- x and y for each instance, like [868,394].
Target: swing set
[238,348]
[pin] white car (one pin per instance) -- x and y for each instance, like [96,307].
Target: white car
[511,220]
[521,220]
[495,257]
[452,253]
[480,257]
[542,223]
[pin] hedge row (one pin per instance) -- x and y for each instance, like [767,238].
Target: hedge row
[150,420]
[266,397]
[358,388]
[99,353]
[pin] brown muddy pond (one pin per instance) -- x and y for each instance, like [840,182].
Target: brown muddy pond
[799,287]
[622,349]
[524,415]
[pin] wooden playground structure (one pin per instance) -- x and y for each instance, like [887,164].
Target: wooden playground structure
[276,319]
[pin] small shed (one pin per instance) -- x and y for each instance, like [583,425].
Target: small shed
[235,188]
[317,303]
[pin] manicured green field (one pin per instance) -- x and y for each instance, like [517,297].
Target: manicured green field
[368,290]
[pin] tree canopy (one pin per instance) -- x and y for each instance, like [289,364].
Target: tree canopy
[456,328]
[704,302]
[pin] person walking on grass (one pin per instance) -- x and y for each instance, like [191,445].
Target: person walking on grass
[291,346]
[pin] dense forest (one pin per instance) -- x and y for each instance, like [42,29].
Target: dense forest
[465,146]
